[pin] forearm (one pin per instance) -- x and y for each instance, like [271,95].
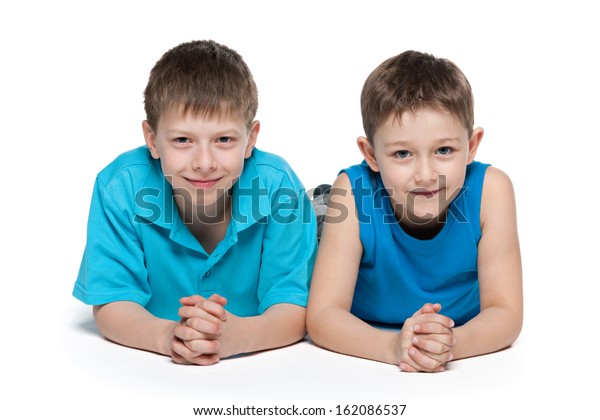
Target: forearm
[131,325]
[338,330]
[278,326]
[494,329]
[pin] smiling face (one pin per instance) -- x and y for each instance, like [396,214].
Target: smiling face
[422,160]
[201,157]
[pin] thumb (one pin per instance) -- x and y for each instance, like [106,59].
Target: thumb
[429,308]
[218,299]
[191,300]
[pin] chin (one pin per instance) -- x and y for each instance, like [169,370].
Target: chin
[425,217]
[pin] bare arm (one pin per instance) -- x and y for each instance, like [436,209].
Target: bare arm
[278,326]
[131,325]
[330,323]
[500,278]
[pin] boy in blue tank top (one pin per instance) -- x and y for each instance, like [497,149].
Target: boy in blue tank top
[419,234]
[199,245]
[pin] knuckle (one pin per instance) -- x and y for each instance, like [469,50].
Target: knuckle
[437,348]
[192,323]
[179,332]
[431,363]
[186,334]
[191,345]
[432,317]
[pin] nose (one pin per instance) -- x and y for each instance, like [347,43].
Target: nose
[425,172]
[203,159]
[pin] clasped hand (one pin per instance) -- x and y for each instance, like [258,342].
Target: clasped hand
[425,342]
[197,339]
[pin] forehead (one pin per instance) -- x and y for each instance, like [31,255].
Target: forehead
[178,115]
[426,124]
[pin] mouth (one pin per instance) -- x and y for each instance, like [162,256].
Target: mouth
[421,192]
[203,183]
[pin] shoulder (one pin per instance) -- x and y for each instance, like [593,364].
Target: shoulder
[356,171]
[272,169]
[134,164]
[498,196]
[341,206]
[496,181]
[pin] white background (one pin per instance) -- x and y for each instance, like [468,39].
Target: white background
[71,82]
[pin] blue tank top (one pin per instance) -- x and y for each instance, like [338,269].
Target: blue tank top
[399,273]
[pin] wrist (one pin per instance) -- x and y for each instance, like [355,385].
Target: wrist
[393,355]
[164,343]
[236,337]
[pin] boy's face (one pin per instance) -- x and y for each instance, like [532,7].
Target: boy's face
[422,162]
[201,157]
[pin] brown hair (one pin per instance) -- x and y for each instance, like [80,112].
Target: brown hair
[413,80]
[203,77]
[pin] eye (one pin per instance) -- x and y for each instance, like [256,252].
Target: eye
[181,140]
[444,150]
[402,154]
[224,140]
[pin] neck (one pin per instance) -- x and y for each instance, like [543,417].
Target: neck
[193,213]
[208,224]
[423,228]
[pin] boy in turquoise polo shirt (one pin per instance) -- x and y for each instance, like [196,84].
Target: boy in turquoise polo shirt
[199,245]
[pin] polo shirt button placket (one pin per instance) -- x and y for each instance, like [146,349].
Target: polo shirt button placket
[207,274]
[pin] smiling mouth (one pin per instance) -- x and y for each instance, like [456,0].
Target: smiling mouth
[425,193]
[203,183]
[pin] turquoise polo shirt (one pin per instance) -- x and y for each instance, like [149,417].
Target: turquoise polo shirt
[139,249]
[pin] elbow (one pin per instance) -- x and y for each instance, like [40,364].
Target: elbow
[310,320]
[300,330]
[517,326]
[515,321]
[314,326]
[513,326]
[296,327]
[101,317]
[98,314]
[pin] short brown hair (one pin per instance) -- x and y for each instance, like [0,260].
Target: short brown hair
[413,80]
[203,77]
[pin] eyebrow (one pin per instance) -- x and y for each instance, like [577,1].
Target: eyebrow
[221,133]
[405,143]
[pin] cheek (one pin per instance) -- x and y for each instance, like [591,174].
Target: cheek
[454,182]
[170,175]
[395,184]
[171,163]
[395,175]
[167,165]
[233,162]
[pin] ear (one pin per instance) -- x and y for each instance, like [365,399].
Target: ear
[252,136]
[474,142]
[150,139]
[368,152]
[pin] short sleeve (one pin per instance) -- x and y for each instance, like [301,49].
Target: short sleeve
[289,249]
[112,268]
